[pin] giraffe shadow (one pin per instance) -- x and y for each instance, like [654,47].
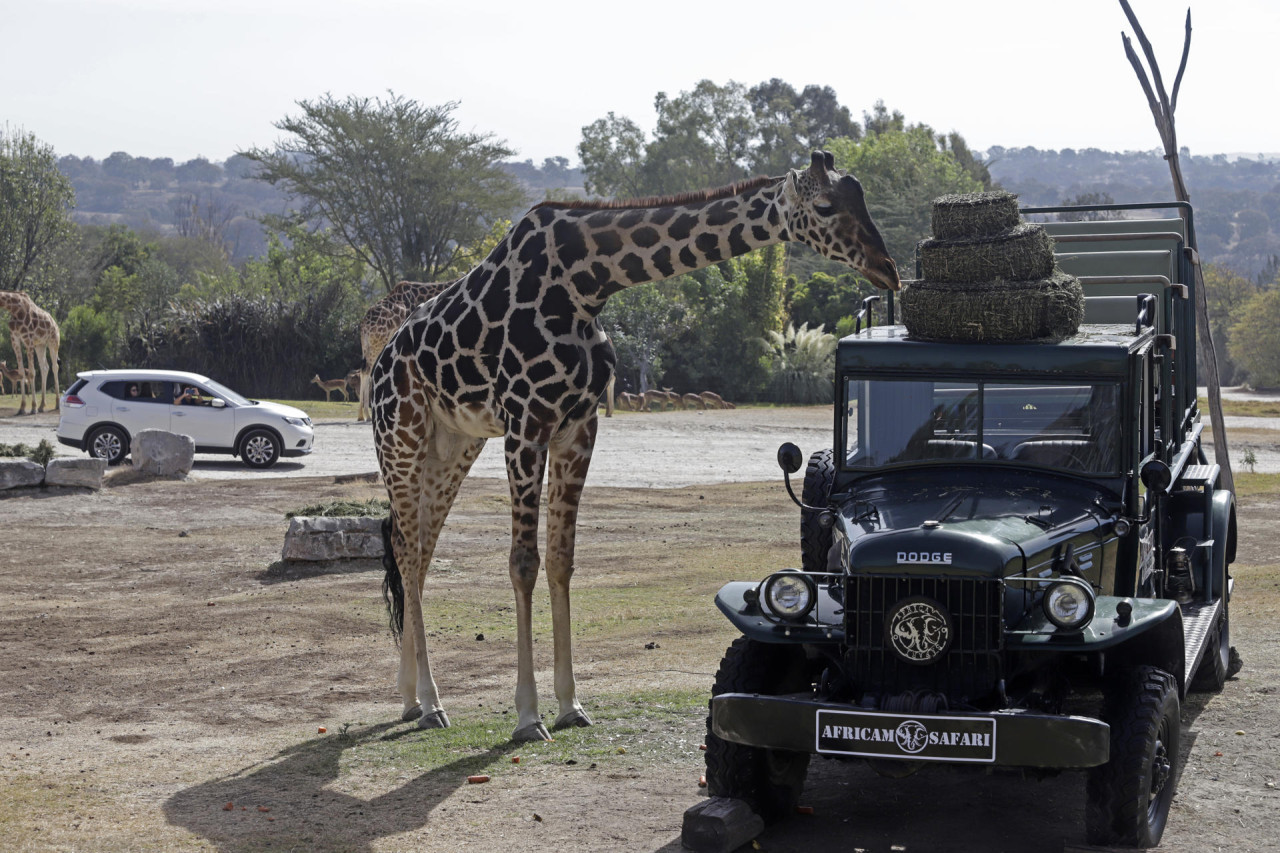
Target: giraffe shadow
[282,571]
[289,800]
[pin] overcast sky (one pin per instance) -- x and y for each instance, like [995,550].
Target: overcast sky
[187,78]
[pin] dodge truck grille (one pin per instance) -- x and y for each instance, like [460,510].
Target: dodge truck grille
[965,668]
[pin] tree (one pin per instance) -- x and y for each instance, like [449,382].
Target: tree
[35,205]
[902,170]
[1226,294]
[612,152]
[1252,340]
[395,180]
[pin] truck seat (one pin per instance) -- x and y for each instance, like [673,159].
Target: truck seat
[1058,453]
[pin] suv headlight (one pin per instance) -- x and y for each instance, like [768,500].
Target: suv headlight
[1068,605]
[790,595]
[298,421]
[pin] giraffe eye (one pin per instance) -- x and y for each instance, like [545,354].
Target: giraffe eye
[823,209]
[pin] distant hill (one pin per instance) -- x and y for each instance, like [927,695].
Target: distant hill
[1236,197]
[157,195]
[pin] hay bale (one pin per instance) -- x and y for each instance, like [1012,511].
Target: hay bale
[1047,309]
[1023,253]
[974,214]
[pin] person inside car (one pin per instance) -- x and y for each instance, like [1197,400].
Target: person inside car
[189,395]
[133,390]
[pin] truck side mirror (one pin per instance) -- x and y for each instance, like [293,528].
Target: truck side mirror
[790,458]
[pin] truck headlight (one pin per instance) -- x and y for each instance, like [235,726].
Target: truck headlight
[1068,605]
[790,595]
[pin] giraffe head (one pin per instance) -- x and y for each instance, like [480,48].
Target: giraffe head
[828,213]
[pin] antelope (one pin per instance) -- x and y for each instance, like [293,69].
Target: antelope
[331,385]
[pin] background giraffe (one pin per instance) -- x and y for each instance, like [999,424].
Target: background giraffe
[32,329]
[513,350]
[380,323]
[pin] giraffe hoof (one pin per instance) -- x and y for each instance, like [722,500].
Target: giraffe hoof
[435,720]
[533,732]
[411,713]
[577,718]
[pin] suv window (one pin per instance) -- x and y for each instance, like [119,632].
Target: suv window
[1072,426]
[147,392]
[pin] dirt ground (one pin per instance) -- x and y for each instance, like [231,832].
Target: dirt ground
[160,664]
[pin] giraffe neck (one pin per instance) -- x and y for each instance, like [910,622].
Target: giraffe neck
[601,251]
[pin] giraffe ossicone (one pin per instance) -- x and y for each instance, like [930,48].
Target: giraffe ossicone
[513,350]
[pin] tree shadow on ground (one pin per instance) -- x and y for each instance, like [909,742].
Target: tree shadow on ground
[287,802]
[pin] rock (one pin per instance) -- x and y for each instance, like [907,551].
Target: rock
[65,471]
[20,473]
[344,538]
[159,453]
[718,825]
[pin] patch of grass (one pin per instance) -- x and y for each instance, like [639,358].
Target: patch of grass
[343,508]
[1251,485]
[652,727]
[1246,408]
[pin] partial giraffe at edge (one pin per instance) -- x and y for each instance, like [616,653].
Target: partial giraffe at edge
[514,350]
[33,330]
[380,322]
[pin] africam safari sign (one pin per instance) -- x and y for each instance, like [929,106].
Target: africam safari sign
[926,738]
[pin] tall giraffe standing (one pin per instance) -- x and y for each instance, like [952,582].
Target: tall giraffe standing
[380,323]
[33,330]
[513,350]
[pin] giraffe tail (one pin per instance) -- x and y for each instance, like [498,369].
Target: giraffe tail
[392,586]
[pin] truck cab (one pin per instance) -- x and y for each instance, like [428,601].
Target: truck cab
[1013,555]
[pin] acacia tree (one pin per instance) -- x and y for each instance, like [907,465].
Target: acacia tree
[395,180]
[35,205]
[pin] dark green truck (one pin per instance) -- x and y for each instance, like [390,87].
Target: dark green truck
[1013,555]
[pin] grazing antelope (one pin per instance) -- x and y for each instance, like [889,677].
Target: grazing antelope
[693,401]
[715,401]
[514,350]
[331,385]
[630,402]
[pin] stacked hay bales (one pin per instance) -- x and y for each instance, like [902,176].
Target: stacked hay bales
[989,277]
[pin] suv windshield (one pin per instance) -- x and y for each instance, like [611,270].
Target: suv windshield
[1059,425]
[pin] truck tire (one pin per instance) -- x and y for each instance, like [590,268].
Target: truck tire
[769,780]
[815,540]
[1128,798]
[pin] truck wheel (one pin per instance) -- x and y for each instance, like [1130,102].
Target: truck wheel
[1213,672]
[1129,796]
[815,540]
[769,780]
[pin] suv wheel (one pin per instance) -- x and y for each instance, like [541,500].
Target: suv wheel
[815,540]
[769,780]
[1129,796]
[109,443]
[259,448]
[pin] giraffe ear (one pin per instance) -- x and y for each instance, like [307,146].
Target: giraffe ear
[790,191]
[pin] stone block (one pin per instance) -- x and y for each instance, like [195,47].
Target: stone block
[719,825]
[22,473]
[343,538]
[159,453]
[84,473]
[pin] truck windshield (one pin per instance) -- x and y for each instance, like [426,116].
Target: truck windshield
[1070,426]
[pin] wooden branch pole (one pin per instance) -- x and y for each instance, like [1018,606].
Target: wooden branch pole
[1162,107]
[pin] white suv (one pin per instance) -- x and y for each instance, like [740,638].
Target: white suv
[104,409]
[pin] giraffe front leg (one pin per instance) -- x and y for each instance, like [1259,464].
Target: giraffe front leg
[570,458]
[526,462]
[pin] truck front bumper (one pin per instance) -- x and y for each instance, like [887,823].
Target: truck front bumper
[799,723]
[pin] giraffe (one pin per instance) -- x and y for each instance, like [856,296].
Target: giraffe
[380,323]
[33,330]
[513,350]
